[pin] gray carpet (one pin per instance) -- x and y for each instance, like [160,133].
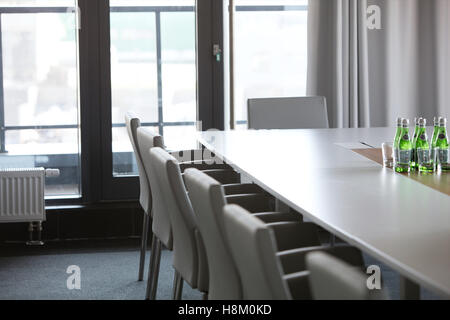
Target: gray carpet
[105,274]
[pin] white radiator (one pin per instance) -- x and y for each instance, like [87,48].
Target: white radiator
[22,195]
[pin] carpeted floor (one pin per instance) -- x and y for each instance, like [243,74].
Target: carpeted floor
[106,274]
[108,271]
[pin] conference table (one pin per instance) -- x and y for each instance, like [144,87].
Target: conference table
[398,220]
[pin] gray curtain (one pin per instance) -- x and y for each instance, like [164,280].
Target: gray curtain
[370,77]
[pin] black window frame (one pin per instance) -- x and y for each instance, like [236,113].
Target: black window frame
[209,20]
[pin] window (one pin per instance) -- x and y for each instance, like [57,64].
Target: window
[39,90]
[153,73]
[270,51]
[64,91]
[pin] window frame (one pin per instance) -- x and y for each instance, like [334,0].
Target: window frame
[209,24]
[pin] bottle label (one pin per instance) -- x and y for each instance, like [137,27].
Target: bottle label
[443,155]
[404,156]
[423,156]
[395,154]
[441,136]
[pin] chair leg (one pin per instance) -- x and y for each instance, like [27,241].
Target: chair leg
[154,286]
[151,267]
[177,286]
[180,289]
[205,296]
[409,290]
[144,236]
[176,282]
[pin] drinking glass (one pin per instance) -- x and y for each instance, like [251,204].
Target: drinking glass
[388,155]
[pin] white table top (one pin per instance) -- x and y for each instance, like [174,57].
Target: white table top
[393,218]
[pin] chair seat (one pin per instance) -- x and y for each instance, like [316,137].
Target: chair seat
[224,176]
[294,260]
[271,217]
[290,235]
[254,202]
[241,188]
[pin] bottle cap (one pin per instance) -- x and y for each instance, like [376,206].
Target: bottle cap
[416,120]
[422,122]
[442,122]
[436,120]
[399,121]
[405,123]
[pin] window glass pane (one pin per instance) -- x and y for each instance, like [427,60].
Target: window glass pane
[270,51]
[39,69]
[42,141]
[153,72]
[39,91]
[133,65]
[171,3]
[123,157]
[271,2]
[52,148]
[37,3]
[178,66]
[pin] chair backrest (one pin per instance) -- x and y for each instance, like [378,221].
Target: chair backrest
[207,198]
[333,279]
[132,124]
[287,113]
[183,221]
[253,247]
[161,225]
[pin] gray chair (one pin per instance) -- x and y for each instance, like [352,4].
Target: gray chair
[333,279]
[288,113]
[161,227]
[189,259]
[262,267]
[145,200]
[208,198]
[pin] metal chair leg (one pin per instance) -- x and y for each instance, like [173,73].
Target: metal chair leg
[177,286]
[154,284]
[409,290]
[176,282]
[179,289]
[145,226]
[151,267]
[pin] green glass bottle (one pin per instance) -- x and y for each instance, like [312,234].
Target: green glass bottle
[423,148]
[404,149]
[398,133]
[433,141]
[442,147]
[414,164]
